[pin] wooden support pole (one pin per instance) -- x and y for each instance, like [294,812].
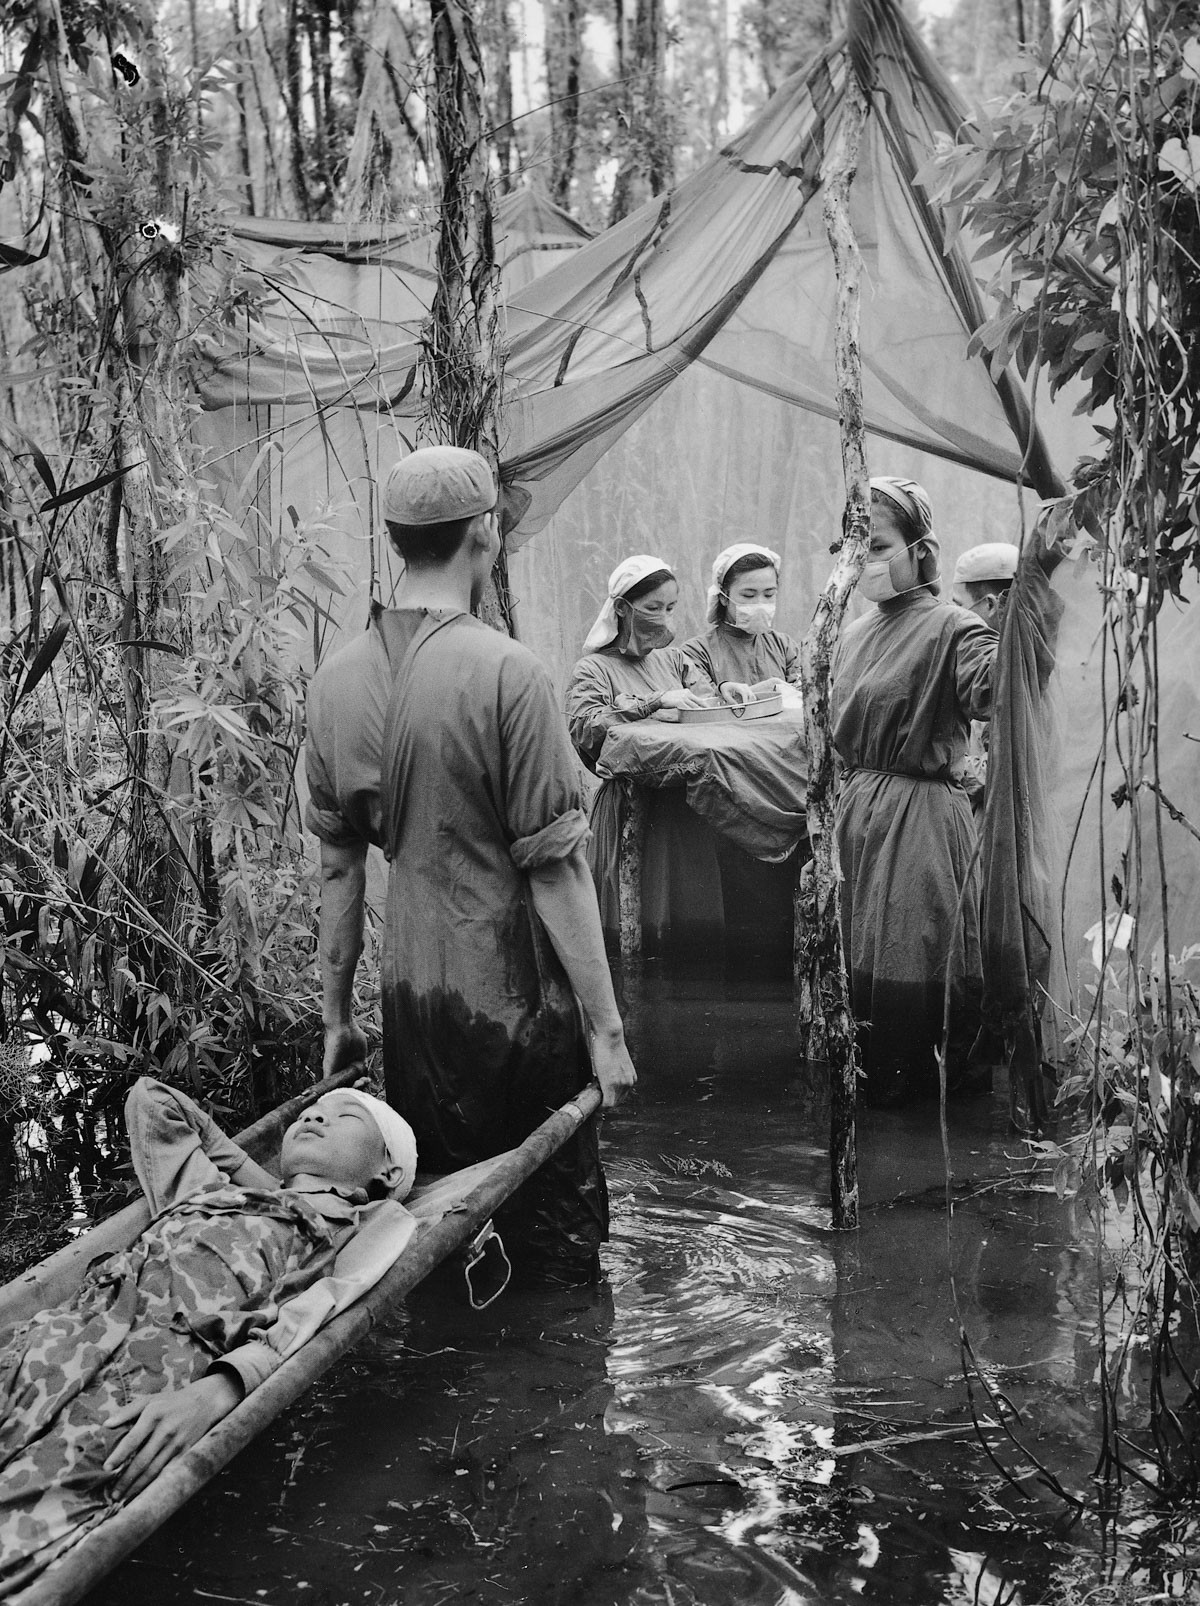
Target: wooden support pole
[629,869]
[831,1025]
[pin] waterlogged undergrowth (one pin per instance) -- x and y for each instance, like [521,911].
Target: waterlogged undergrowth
[752,1410]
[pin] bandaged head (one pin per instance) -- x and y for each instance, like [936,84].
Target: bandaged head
[397,1135]
[718,602]
[630,572]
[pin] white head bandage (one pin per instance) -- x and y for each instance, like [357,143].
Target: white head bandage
[397,1137]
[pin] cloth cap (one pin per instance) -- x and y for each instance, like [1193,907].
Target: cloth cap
[623,578]
[437,484]
[993,560]
[397,1137]
[724,561]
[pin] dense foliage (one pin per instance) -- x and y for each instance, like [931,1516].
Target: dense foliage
[155,900]
[1080,194]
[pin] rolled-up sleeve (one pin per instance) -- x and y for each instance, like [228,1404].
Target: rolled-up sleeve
[543,802]
[558,840]
[383,1231]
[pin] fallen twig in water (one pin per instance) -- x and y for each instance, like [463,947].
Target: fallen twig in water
[895,1439]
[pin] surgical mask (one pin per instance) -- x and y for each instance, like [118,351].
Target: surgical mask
[646,632]
[752,617]
[878,583]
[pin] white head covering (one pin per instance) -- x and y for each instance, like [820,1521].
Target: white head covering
[991,560]
[623,578]
[397,1137]
[725,561]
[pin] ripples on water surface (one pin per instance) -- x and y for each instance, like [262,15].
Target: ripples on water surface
[701,1430]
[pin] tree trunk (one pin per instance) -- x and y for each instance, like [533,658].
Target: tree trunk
[461,348]
[646,166]
[241,56]
[290,88]
[498,43]
[828,997]
[564,53]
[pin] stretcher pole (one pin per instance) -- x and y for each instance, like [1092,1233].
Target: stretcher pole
[435,1239]
[824,990]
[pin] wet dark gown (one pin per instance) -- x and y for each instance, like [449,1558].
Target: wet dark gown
[681,886]
[907,682]
[458,764]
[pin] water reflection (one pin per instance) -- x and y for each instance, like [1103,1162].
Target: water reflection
[756,1411]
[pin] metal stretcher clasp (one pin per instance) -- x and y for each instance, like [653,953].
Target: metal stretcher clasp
[476,1252]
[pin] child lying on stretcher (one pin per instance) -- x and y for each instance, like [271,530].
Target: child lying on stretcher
[234,1273]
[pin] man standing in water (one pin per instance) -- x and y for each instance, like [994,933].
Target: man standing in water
[440,740]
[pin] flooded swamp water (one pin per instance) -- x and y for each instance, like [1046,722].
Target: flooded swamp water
[751,1409]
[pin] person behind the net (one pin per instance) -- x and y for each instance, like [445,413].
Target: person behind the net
[982,580]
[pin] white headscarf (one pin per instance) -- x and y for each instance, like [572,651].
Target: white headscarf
[725,561]
[397,1137]
[623,579]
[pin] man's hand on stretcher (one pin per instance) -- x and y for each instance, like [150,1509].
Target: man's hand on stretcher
[612,1065]
[166,1425]
[345,1044]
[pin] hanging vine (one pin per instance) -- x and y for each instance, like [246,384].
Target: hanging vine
[1085,188]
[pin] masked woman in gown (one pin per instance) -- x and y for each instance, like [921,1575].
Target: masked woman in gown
[908,679]
[631,671]
[744,656]
[740,646]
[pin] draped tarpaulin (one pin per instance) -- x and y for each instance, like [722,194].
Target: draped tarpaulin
[670,388]
[731,267]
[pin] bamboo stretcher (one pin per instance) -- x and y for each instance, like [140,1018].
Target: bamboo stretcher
[450,1212]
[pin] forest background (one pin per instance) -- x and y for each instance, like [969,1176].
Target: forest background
[157,900]
[158,905]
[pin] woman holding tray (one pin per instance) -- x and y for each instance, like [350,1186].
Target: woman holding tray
[631,671]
